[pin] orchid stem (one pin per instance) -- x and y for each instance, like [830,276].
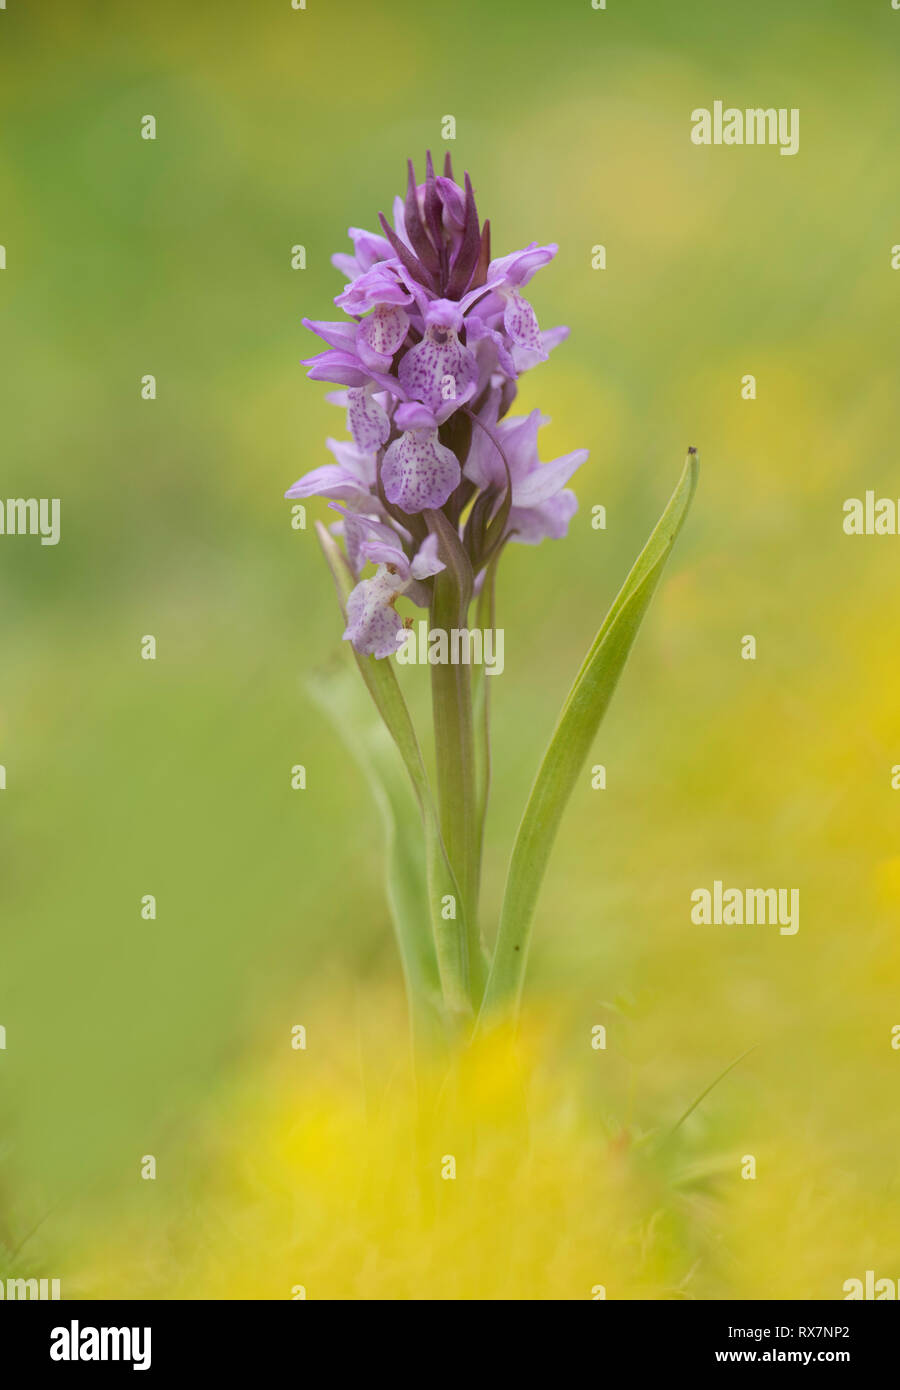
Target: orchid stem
[457,794]
[485,619]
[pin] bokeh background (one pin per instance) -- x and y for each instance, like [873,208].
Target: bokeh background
[126,777]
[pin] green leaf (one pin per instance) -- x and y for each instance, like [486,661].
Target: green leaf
[459,566]
[570,745]
[380,678]
[381,681]
[343,701]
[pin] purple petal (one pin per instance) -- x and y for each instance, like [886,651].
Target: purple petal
[477,331]
[517,268]
[340,335]
[552,337]
[373,625]
[400,227]
[474,296]
[347,265]
[345,369]
[520,322]
[380,285]
[484,465]
[350,480]
[418,472]
[547,480]
[327,481]
[381,335]
[418,272]
[454,400]
[454,203]
[426,562]
[358,462]
[367,420]
[369,247]
[549,521]
[414,226]
[518,435]
[369,540]
[412,415]
[439,368]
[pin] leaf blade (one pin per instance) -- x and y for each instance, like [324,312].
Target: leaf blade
[381,681]
[570,744]
[339,698]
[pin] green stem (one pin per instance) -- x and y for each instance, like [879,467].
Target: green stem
[481,706]
[457,795]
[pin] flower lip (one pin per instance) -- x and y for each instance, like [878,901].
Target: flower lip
[418,472]
[414,416]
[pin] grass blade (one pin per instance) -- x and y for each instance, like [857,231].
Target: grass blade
[703,1094]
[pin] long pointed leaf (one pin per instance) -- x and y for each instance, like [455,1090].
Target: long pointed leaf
[570,745]
[343,701]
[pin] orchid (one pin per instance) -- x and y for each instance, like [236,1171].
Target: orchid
[436,479]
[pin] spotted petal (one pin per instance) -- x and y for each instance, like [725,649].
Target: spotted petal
[381,335]
[367,420]
[379,285]
[520,322]
[373,625]
[439,368]
[418,471]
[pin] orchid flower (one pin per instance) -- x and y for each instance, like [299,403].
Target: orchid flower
[436,478]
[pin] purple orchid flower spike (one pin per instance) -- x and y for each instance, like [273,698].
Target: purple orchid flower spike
[435,338]
[436,478]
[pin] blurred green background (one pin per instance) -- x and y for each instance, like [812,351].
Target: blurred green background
[127,777]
